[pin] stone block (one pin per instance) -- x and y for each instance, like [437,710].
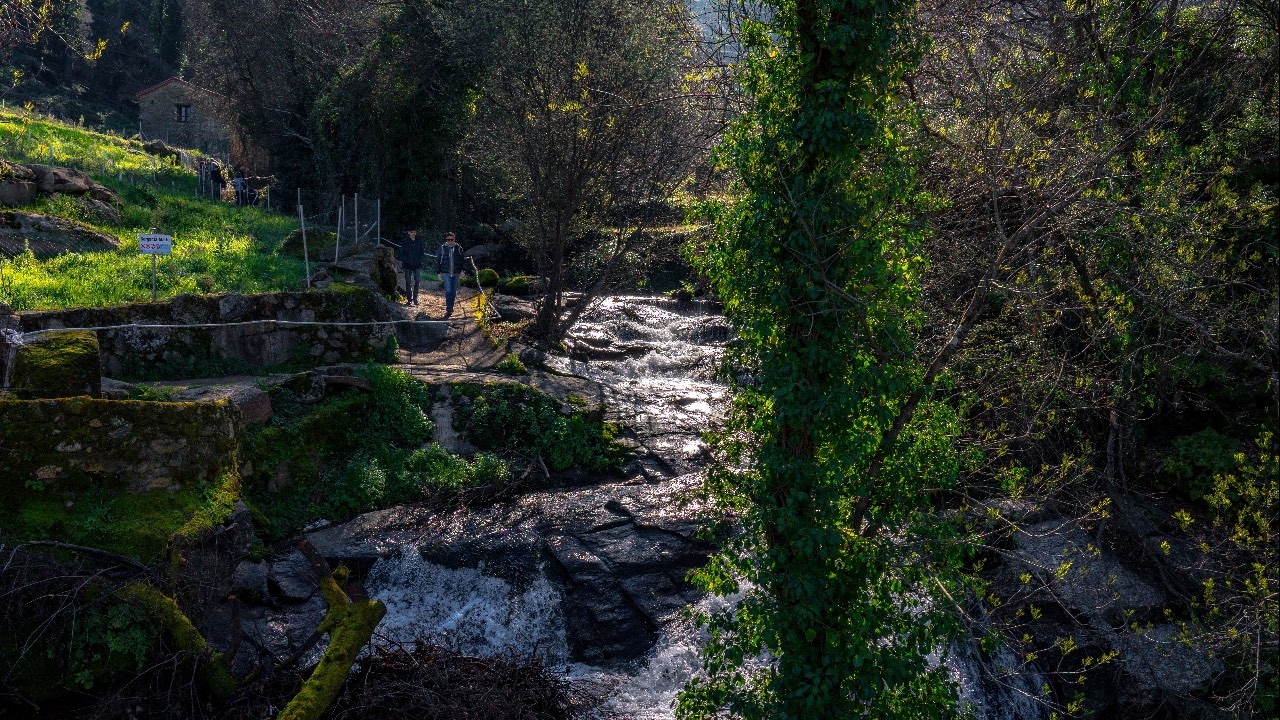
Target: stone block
[62,364]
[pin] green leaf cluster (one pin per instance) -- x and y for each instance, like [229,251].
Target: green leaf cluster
[832,448]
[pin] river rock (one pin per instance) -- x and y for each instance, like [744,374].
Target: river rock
[251,578]
[291,578]
[618,552]
[513,309]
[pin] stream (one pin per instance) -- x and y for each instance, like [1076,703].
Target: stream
[592,578]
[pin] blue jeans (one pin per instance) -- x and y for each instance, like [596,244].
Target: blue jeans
[411,277]
[450,291]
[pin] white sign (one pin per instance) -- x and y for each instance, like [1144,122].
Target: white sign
[155,244]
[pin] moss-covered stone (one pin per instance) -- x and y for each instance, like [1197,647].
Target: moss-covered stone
[122,475]
[58,364]
[212,670]
[239,345]
[518,285]
[350,626]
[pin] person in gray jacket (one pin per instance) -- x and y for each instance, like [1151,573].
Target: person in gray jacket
[449,261]
[411,252]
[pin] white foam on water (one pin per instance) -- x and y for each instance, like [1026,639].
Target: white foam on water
[482,614]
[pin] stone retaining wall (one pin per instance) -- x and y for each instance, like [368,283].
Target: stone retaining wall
[172,353]
[73,444]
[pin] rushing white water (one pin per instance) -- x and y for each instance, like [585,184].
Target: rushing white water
[481,614]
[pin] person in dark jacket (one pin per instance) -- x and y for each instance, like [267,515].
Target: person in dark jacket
[217,180]
[411,252]
[449,261]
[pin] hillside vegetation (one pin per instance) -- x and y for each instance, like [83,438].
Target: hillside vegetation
[218,247]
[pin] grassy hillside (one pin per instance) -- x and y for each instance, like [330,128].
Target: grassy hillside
[217,247]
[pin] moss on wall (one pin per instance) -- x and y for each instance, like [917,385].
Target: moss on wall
[61,364]
[154,353]
[121,475]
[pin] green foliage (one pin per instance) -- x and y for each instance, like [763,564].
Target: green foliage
[488,277]
[153,393]
[832,450]
[512,365]
[1197,459]
[517,285]
[355,452]
[135,524]
[212,669]
[1244,497]
[112,637]
[523,420]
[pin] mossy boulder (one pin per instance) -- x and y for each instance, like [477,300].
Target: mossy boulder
[518,285]
[58,364]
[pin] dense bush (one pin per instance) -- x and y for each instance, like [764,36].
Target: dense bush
[523,420]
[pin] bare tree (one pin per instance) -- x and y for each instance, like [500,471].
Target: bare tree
[21,22]
[1099,266]
[591,118]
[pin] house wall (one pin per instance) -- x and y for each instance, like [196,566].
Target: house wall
[204,131]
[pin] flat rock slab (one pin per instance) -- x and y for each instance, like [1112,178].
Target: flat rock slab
[48,236]
[254,402]
[619,551]
[291,578]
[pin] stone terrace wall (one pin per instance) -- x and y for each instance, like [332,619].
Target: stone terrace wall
[170,353]
[73,444]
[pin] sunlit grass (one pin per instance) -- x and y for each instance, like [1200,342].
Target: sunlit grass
[218,247]
[26,137]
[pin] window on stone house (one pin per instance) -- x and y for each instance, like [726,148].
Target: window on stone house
[184,113]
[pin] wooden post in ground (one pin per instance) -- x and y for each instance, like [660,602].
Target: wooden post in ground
[302,224]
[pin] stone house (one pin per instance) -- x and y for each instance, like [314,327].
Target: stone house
[185,116]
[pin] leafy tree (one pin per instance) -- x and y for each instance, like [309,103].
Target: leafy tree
[832,447]
[391,121]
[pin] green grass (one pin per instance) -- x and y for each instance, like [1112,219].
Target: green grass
[218,247]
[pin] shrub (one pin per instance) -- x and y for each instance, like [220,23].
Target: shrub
[518,285]
[524,420]
[1196,459]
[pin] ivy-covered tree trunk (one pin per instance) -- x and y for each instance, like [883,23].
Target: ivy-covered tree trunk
[828,460]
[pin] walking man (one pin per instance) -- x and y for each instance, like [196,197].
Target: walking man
[449,265]
[411,252]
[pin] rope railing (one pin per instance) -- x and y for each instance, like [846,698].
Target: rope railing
[242,323]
